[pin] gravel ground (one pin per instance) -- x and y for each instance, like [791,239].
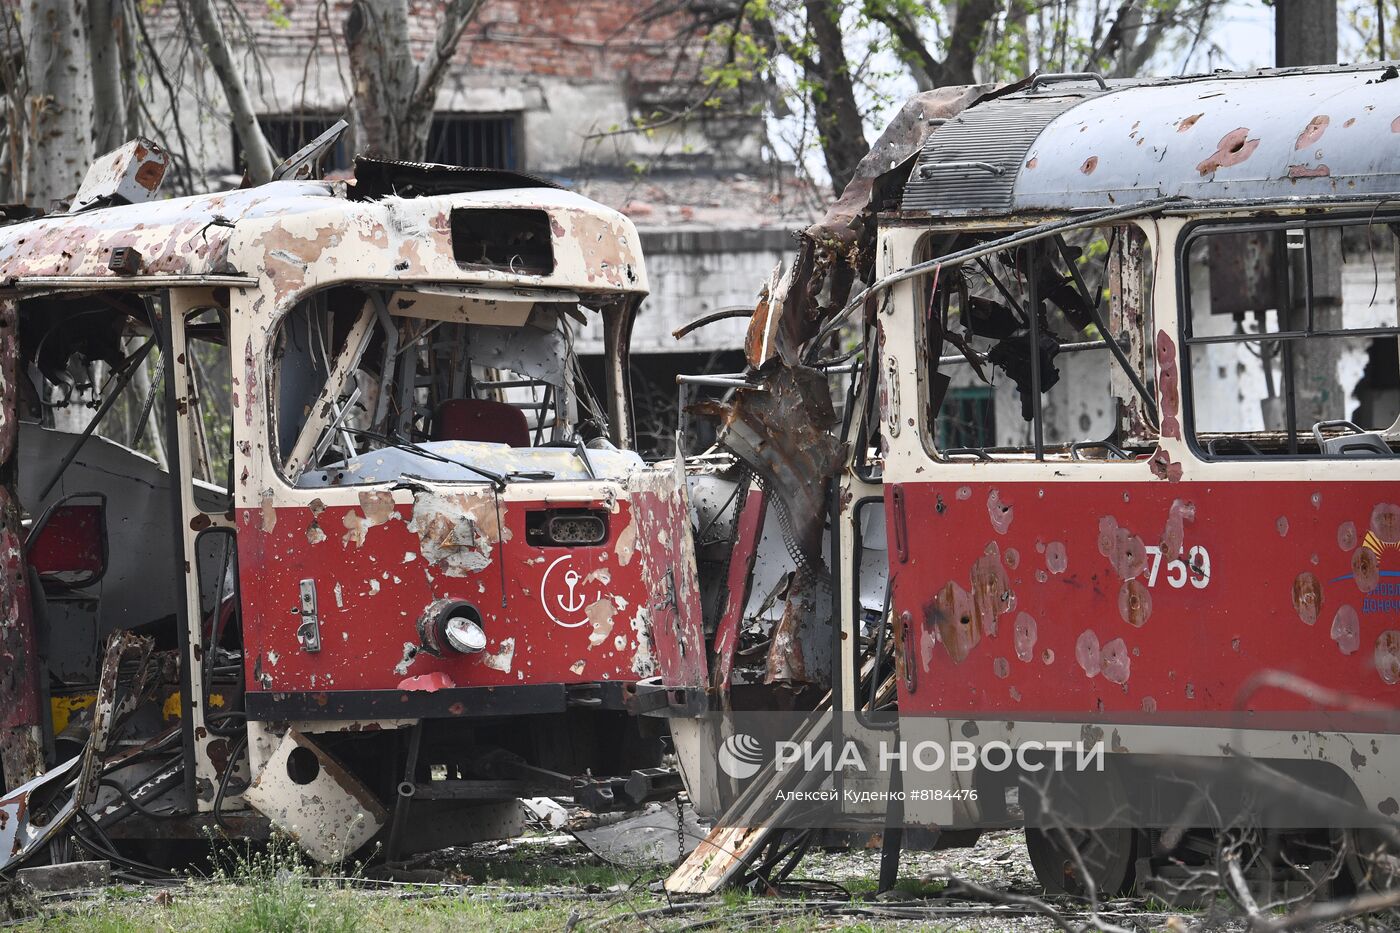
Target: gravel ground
[548,881]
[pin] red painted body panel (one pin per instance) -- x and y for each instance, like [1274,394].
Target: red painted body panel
[1042,598]
[666,559]
[20,703]
[376,570]
[741,560]
[21,707]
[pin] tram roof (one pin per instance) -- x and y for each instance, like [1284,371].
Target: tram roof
[1062,143]
[294,234]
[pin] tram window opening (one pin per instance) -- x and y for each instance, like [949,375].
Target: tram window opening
[73,351]
[969,418]
[1291,338]
[991,396]
[446,385]
[208,373]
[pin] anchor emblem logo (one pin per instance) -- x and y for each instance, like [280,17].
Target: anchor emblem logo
[574,600]
[565,594]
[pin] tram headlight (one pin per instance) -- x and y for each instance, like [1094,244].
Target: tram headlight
[451,625]
[464,635]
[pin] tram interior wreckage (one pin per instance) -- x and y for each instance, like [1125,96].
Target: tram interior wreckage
[417,571]
[1123,394]
[323,530]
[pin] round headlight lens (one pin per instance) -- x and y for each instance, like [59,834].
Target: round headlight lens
[464,635]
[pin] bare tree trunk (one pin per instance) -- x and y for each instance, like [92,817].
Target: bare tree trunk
[16,84]
[245,120]
[130,74]
[395,96]
[58,150]
[109,129]
[1305,32]
[384,78]
[837,115]
[965,40]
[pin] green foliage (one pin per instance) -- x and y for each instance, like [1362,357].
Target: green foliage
[275,892]
[277,10]
[772,43]
[1364,20]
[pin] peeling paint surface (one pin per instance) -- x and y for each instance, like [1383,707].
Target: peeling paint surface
[1165,596]
[20,694]
[502,658]
[456,531]
[396,557]
[600,621]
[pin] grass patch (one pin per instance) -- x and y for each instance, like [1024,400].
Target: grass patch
[273,889]
[908,887]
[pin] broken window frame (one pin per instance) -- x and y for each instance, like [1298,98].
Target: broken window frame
[207,409]
[1140,380]
[1285,339]
[154,301]
[864,431]
[616,312]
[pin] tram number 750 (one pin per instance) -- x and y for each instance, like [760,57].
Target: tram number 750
[1195,568]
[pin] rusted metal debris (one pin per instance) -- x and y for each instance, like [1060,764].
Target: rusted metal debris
[783,428]
[36,812]
[837,252]
[783,432]
[130,174]
[416,471]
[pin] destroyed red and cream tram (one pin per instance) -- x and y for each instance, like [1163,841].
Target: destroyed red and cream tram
[1129,437]
[396,565]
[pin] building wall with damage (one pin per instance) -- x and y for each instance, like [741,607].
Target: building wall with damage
[576,76]
[696,272]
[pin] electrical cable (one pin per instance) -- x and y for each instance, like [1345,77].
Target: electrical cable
[107,848]
[137,805]
[238,748]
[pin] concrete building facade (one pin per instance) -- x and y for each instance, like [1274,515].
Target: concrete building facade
[599,97]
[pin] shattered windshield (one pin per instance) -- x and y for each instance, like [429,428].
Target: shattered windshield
[450,385]
[1038,350]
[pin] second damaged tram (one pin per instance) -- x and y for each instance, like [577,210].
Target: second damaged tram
[398,565]
[1131,418]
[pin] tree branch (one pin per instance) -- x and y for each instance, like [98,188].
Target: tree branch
[458,15]
[245,121]
[965,41]
[927,70]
